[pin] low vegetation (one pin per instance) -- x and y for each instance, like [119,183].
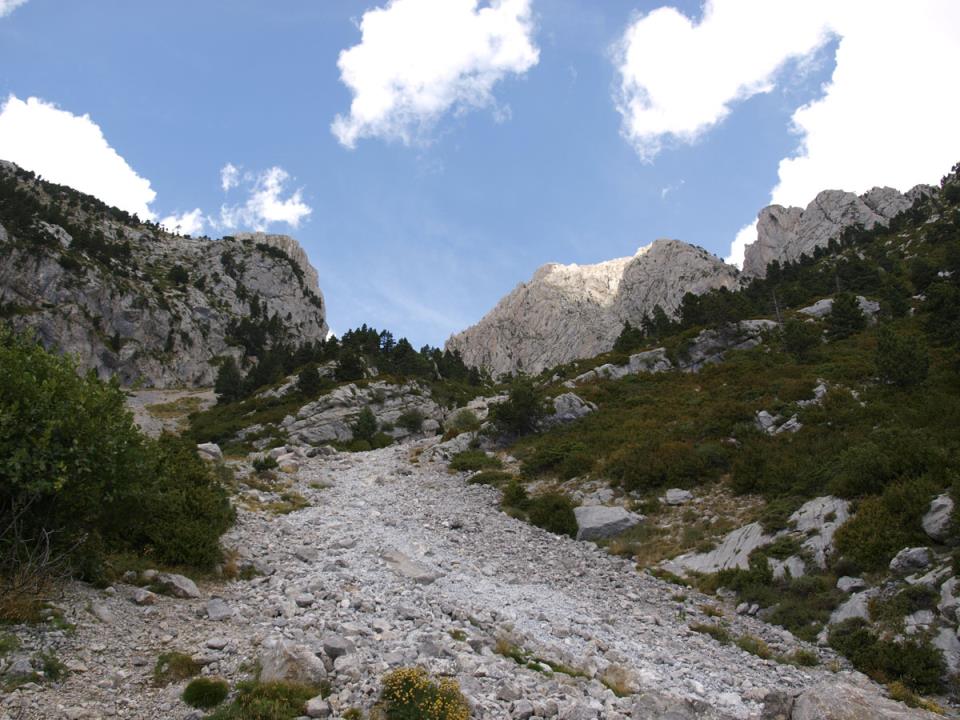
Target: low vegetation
[266,701]
[411,694]
[205,693]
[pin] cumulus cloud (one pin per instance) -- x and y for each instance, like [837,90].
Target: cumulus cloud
[418,59]
[8,6]
[886,117]
[264,204]
[71,150]
[229,177]
[190,223]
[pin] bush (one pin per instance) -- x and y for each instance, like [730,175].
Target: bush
[553,512]
[568,459]
[801,338]
[470,460]
[77,478]
[267,701]
[521,412]
[650,467]
[916,664]
[411,420]
[514,496]
[205,693]
[411,694]
[490,477]
[229,383]
[902,359]
[845,318]
[366,425]
[309,382]
[885,524]
[464,421]
[173,667]
[265,463]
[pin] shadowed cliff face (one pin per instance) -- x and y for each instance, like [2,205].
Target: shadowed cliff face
[567,312]
[137,303]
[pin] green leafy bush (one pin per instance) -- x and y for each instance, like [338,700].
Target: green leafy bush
[267,701]
[490,477]
[521,412]
[464,420]
[411,694]
[553,512]
[205,693]
[474,460]
[845,318]
[411,420]
[515,496]
[916,664]
[309,382]
[265,463]
[365,426]
[801,338]
[902,358]
[76,471]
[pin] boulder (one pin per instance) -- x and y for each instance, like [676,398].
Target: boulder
[947,642]
[602,521]
[936,521]
[676,496]
[408,568]
[317,707]
[218,610]
[209,451]
[849,584]
[856,606]
[910,560]
[818,520]
[176,585]
[949,601]
[568,408]
[844,697]
[822,308]
[732,552]
[336,645]
[282,659]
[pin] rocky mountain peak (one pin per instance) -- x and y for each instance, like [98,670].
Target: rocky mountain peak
[567,312]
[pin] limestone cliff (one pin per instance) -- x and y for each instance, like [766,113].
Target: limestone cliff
[786,233]
[567,312]
[138,303]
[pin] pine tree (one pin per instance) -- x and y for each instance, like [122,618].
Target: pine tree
[229,383]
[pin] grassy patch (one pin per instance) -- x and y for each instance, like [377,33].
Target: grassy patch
[267,701]
[181,407]
[497,478]
[205,693]
[717,632]
[473,460]
[172,667]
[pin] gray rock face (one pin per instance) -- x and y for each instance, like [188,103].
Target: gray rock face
[282,659]
[784,234]
[177,585]
[936,522]
[733,552]
[125,317]
[409,568]
[332,416]
[568,408]
[676,496]
[603,521]
[818,520]
[567,312]
[851,700]
[821,308]
[910,560]
[856,606]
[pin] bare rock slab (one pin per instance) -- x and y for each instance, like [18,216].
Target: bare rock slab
[408,568]
[601,521]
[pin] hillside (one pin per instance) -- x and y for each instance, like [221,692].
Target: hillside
[137,303]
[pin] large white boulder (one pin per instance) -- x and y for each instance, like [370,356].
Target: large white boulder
[937,520]
[596,522]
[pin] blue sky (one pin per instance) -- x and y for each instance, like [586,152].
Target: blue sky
[432,215]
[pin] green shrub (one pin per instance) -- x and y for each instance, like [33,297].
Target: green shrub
[205,693]
[916,664]
[717,632]
[521,412]
[553,512]
[365,426]
[469,460]
[411,694]
[892,610]
[649,467]
[463,421]
[411,420]
[754,646]
[173,667]
[845,318]
[228,385]
[902,359]
[883,525]
[801,338]
[490,477]
[74,468]
[265,463]
[309,382]
[567,458]
[267,701]
[515,496]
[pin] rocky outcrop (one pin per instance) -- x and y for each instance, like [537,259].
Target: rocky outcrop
[139,304]
[786,233]
[596,522]
[567,312]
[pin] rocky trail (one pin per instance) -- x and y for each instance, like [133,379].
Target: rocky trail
[397,562]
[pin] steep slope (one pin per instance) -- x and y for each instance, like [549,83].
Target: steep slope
[786,233]
[138,303]
[567,312]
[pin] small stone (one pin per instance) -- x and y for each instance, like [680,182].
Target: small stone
[217,643]
[676,496]
[142,596]
[177,585]
[336,645]
[849,584]
[218,610]
[317,707]
[102,613]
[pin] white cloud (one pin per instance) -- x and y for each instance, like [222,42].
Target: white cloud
[70,150]
[886,117]
[190,223]
[229,177]
[418,59]
[8,6]
[746,235]
[264,205]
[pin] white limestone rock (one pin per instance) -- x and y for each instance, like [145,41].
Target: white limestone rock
[732,552]
[856,606]
[937,520]
[568,312]
[848,697]
[910,560]
[677,496]
[602,521]
[784,234]
[282,659]
[818,521]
